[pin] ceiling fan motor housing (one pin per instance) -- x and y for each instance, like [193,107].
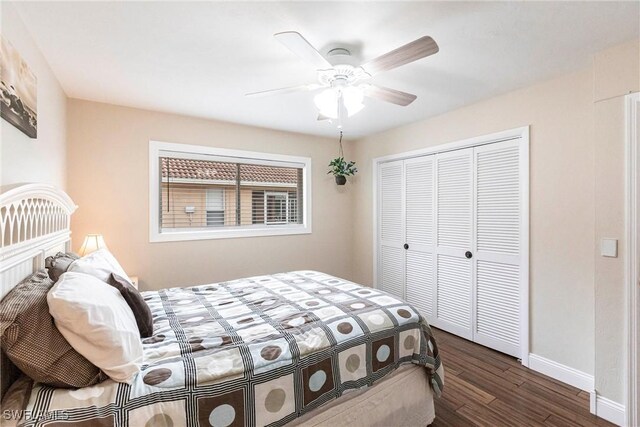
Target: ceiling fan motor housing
[341,75]
[343,72]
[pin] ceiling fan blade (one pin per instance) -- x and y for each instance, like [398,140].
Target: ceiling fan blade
[297,44]
[410,52]
[284,90]
[323,117]
[389,95]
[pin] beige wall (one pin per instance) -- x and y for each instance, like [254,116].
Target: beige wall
[576,197]
[23,159]
[616,73]
[108,177]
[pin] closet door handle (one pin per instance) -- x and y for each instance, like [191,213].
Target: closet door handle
[468,254]
[406,246]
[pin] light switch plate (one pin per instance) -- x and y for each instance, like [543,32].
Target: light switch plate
[609,248]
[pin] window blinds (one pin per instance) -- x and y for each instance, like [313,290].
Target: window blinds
[197,193]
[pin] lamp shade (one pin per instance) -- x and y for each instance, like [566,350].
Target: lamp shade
[91,243]
[353,98]
[327,101]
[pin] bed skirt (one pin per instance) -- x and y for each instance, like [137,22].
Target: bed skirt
[402,399]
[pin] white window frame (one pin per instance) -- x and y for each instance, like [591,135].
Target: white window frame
[158,149]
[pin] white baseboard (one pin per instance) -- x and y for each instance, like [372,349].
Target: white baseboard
[562,372]
[607,409]
[602,407]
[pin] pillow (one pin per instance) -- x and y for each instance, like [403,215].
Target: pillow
[98,323]
[136,303]
[59,263]
[100,264]
[32,342]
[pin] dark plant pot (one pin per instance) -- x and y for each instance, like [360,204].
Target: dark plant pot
[341,179]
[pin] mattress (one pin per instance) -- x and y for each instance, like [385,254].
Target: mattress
[264,350]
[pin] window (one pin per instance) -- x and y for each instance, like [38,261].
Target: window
[280,206]
[215,207]
[207,193]
[275,205]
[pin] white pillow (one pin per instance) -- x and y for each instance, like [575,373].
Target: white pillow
[96,320]
[100,264]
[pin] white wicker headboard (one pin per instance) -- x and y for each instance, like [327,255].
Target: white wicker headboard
[35,222]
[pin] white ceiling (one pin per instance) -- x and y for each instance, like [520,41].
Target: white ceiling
[199,58]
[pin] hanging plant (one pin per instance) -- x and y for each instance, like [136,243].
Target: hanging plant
[340,168]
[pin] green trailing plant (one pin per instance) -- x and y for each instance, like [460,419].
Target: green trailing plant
[340,168]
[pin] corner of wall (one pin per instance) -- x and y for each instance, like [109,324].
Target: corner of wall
[616,71]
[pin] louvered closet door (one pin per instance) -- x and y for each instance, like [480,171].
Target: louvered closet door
[454,236]
[498,246]
[391,254]
[419,186]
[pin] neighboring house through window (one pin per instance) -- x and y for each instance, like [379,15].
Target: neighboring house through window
[203,192]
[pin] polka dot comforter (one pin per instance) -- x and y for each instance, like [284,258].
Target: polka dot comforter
[257,351]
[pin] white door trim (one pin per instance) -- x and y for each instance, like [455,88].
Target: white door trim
[523,134]
[632,253]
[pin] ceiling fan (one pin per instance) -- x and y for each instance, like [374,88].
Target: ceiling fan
[344,83]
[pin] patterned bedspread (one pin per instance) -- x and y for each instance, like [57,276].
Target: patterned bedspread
[257,351]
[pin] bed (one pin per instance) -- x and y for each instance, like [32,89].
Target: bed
[300,348]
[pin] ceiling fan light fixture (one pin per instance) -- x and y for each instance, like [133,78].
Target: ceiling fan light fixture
[328,101]
[352,97]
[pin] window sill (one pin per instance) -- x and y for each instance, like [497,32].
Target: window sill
[185,235]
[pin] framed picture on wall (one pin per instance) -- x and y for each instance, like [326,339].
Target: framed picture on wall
[18,91]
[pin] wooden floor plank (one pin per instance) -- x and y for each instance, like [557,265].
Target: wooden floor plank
[522,417]
[479,415]
[447,416]
[467,392]
[469,360]
[557,421]
[450,371]
[487,388]
[532,376]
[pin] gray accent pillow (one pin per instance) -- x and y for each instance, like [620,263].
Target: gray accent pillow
[29,337]
[59,263]
[140,309]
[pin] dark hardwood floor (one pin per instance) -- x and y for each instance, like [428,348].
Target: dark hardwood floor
[487,388]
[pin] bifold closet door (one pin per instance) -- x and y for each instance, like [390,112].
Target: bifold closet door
[454,240]
[419,202]
[498,246]
[391,220]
